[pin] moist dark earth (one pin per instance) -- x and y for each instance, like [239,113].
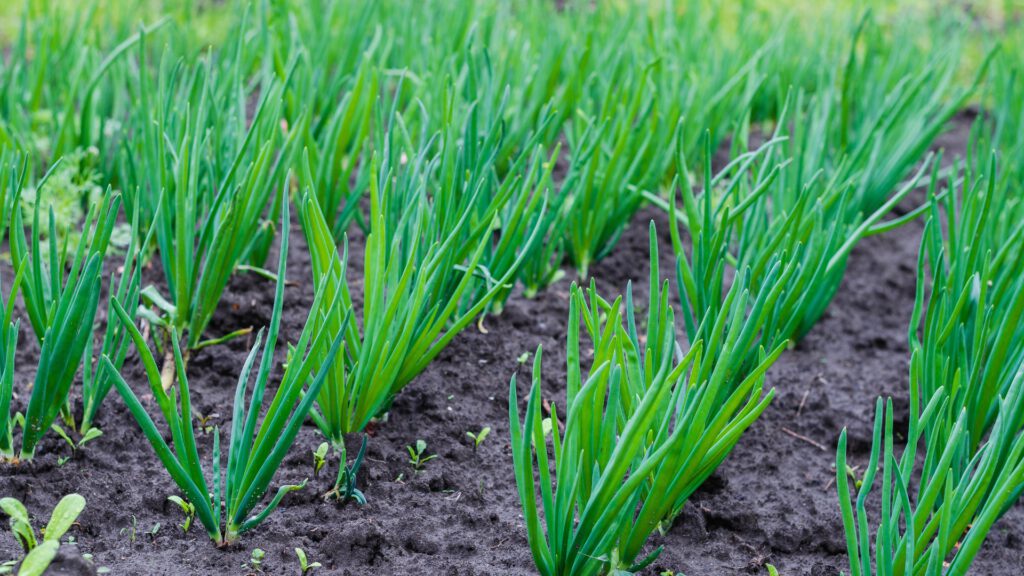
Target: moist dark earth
[772,501]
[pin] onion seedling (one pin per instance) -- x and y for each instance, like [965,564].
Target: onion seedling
[260,437]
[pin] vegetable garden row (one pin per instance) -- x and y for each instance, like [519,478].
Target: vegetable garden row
[479,151]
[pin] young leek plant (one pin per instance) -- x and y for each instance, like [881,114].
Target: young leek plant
[260,437]
[61,308]
[645,428]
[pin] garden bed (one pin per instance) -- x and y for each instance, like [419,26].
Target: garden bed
[772,501]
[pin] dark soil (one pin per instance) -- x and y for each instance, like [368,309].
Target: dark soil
[772,501]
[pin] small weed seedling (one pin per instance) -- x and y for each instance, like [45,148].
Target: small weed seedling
[255,563]
[132,531]
[187,508]
[416,457]
[319,458]
[304,562]
[206,421]
[479,437]
[129,530]
[90,435]
[39,555]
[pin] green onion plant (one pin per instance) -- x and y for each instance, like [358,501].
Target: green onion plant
[610,165]
[336,145]
[61,292]
[205,180]
[826,179]
[429,266]
[8,344]
[966,390]
[126,290]
[260,436]
[642,431]
[60,94]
